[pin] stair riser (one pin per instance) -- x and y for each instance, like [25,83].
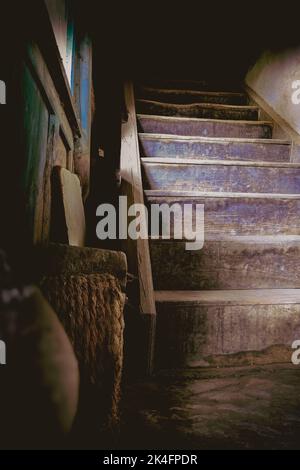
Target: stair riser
[185,97]
[242,216]
[188,334]
[198,85]
[225,265]
[196,111]
[232,178]
[205,128]
[246,151]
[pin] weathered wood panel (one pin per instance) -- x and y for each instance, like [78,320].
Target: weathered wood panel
[229,263]
[83,98]
[197,85]
[204,127]
[189,96]
[234,214]
[215,148]
[35,135]
[234,177]
[46,83]
[204,110]
[194,333]
[53,135]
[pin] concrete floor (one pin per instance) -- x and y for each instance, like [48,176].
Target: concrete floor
[254,407]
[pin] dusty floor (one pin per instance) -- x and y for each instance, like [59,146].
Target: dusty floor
[233,408]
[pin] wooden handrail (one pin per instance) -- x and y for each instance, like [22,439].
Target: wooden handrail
[137,251]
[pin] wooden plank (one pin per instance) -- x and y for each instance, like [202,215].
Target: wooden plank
[239,215]
[45,37]
[204,127]
[228,262]
[189,96]
[231,297]
[137,251]
[191,334]
[220,177]
[198,110]
[46,85]
[164,145]
[53,135]
[35,123]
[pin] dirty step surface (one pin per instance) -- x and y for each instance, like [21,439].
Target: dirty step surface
[198,110]
[235,213]
[194,327]
[231,176]
[163,145]
[191,96]
[204,127]
[197,85]
[237,262]
[229,408]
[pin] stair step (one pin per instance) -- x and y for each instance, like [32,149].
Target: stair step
[198,110]
[237,262]
[204,127]
[163,145]
[195,85]
[238,213]
[207,175]
[230,297]
[193,327]
[190,96]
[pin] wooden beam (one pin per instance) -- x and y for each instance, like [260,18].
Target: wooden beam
[46,39]
[43,79]
[137,251]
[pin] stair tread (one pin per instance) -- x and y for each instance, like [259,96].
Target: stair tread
[194,161]
[188,138]
[194,85]
[185,96]
[240,239]
[206,175]
[187,119]
[207,194]
[205,105]
[215,147]
[232,297]
[192,92]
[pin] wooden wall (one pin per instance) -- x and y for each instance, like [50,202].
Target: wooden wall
[52,106]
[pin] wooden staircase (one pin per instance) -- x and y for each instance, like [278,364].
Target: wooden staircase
[241,292]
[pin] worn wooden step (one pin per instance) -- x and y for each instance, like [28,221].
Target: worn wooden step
[245,262]
[196,85]
[163,145]
[204,127]
[191,96]
[197,328]
[236,213]
[198,110]
[208,175]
